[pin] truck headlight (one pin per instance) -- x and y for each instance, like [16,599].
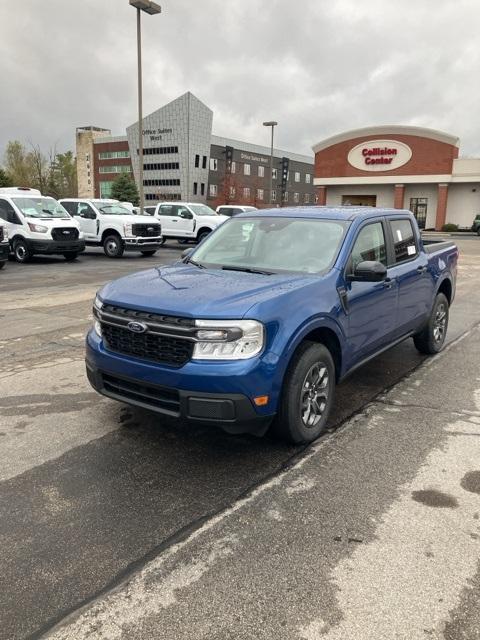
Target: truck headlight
[5,233]
[38,228]
[228,339]
[97,305]
[128,229]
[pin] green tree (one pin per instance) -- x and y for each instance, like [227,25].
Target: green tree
[5,180]
[19,165]
[62,178]
[125,189]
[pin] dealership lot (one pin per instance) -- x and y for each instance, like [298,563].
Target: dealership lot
[92,491]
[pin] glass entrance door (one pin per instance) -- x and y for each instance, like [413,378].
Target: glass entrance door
[418,206]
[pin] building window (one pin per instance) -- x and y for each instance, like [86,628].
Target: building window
[306,198]
[274,195]
[163,196]
[308,178]
[197,161]
[261,171]
[213,190]
[117,168]
[87,157]
[419,206]
[259,194]
[162,182]
[285,196]
[233,167]
[202,188]
[108,155]
[246,169]
[161,166]
[105,189]
[195,188]
[274,174]
[232,193]
[296,197]
[246,193]
[155,151]
[213,164]
[297,176]
[204,162]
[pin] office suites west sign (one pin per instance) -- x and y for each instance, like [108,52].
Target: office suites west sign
[379,155]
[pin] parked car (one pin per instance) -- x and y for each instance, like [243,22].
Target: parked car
[476,224]
[233,209]
[38,224]
[257,324]
[108,224]
[4,245]
[187,221]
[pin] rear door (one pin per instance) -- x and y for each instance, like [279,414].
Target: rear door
[372,306]
[410,267]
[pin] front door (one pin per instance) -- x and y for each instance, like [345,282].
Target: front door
[176,220]
[372,306]
[87,218]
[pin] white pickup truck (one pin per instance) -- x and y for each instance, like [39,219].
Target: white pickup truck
[185,221]
[108,224]
[4,245]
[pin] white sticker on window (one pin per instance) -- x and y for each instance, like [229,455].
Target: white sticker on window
[411,250]
[399,235]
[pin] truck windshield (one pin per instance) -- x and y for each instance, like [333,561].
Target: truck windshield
[112,209]
[202,210]
[40,207]
[273,245]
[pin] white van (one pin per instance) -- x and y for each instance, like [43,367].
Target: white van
[38,224]
[108,224]
[186,221]
[4,245]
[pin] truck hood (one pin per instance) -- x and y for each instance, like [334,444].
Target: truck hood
[131,219]
[187,291]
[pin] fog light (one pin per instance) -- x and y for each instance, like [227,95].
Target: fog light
[261,401]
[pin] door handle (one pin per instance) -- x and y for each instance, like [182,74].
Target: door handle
[173,220]
[388,283]
[421,269]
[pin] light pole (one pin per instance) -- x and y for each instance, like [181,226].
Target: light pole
[152,8]
[272,124]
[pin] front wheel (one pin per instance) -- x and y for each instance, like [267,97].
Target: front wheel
[70,256]
[202,235]
[147,254]
[21,251]
[113,246]
[307,395]
[432,337]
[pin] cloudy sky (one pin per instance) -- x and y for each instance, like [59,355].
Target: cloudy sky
[319,67]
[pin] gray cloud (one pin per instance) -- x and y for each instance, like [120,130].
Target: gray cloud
[316,66]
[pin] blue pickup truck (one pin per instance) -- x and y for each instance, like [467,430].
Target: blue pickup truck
[255,326]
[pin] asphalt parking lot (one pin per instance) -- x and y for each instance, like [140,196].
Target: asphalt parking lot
[97,498]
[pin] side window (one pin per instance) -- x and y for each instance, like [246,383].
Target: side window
[403,240]
[7,212]
[71,207]
[369,245]
[85,208]
[167,210]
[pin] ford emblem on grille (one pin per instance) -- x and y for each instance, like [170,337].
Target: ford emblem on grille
[137,327]
[66,233]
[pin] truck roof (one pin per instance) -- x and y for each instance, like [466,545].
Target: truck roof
[331,213]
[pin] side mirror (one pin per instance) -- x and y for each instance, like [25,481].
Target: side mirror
[368,271]
[186,215]
[187,252]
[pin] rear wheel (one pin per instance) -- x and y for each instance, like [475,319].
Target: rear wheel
[113,246]
[307,394]
[202,235]
[431,339]
[147,254]
[70,256]
[21,251]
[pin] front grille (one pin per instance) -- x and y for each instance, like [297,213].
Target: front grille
[147,346]
[65,233]
[163,398]
[1,233]
[131,314]
[146,230]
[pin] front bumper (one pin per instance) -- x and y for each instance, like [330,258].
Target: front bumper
[47,247]
[4,251]
[213,393]
[142,244]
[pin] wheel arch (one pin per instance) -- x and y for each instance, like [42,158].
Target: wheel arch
[109,232]
[446,288]
[202,229]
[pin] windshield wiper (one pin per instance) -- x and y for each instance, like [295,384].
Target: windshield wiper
[195,264]
[246,269]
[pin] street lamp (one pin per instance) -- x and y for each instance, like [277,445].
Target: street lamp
[152,8]
[273,124]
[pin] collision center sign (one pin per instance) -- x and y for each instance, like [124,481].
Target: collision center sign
[379,155]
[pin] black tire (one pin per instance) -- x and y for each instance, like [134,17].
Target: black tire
[147,254]
[307,394]
[70,256]
[202,235]
[2,264]
[21,251]
[113,246]
[162,242]
[432,337]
